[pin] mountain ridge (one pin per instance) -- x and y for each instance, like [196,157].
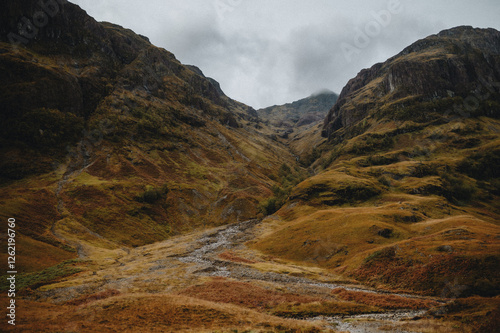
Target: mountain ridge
[442,75]
[411,142]
[305,111]
[119,139]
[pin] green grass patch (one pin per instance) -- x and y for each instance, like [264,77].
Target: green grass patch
[287,179]
[44,277]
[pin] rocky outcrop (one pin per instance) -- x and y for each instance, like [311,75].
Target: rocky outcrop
[70,62]
[454,64]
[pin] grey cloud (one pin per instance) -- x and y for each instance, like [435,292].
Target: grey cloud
[266,52]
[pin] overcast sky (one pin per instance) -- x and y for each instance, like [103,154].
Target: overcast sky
[267,52]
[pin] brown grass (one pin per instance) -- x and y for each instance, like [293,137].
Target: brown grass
[325,308]
[331,236]
[481,314]
[94,297]
[148,313]
[426,326]
[229,255]
[244,294]
[383,301]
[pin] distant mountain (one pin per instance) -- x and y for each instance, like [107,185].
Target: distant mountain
[303,112]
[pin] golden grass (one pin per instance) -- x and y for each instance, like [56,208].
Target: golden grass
[229,255]
[33,255]
[333,235]
[352,241]
[78,235]
[324,308]
[282,267]
[333,187]
[426,326]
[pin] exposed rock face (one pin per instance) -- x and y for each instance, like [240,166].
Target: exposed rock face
[300,113]
[455,63]
[71,64]
[98,56]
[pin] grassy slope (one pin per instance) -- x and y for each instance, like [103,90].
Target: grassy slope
[152,313]
[414,223]
[406,198]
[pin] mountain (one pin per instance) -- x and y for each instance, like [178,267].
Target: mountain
[143,196]
[405,186]
[456,69]
[303,112]
[297,124]
[109,137]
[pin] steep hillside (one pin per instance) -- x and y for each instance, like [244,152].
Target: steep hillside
[454,73]
[109,141]
[406,187]
[297,124]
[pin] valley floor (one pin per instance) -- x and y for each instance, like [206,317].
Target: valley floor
[210,281]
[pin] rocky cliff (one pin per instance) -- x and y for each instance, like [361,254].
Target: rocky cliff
[453,70]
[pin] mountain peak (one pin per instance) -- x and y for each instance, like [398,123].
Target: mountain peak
[451,64]
[305,111]
[323,91]
[461,37]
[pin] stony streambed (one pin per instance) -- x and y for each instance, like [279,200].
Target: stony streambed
[205,258]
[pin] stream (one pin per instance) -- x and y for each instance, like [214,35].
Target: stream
[204,256]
